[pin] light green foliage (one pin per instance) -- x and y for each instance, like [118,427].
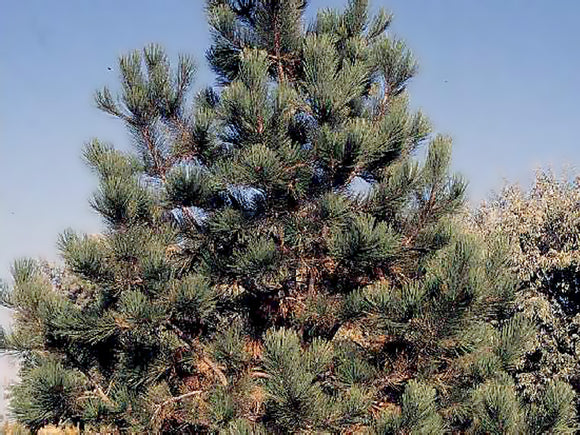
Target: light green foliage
[496,408]
[47,392]
[292,394]
[276,259]
[418,409]
[555,410]
[222,406]
[151,103]
[540,226]
[418,414]
[363,242]
[513,333]
[192,299]
[122,202]
[228,347]
[332,86]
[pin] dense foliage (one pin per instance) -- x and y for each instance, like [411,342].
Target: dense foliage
[276,257]
[542,226]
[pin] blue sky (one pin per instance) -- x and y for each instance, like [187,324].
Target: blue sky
[500,76]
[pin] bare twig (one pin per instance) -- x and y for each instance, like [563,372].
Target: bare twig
[173,400]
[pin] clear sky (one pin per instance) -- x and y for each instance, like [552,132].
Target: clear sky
[500,76]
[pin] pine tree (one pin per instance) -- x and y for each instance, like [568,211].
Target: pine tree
[276,258]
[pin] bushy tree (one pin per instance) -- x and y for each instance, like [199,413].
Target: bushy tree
[276,258]
[541,225]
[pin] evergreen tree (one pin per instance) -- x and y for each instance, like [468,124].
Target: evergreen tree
[276,258]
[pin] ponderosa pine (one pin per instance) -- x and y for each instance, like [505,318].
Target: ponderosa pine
[276,258]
